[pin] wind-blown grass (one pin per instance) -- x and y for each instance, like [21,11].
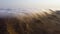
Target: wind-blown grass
[35,22]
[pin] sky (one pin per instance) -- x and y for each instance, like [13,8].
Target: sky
[30,4]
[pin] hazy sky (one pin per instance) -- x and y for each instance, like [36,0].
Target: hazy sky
[29,3]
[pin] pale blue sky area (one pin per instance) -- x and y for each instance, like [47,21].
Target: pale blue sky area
[29,3]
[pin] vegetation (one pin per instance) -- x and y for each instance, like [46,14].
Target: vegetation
[40,22]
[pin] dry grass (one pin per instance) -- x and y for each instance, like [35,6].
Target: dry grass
[39,22]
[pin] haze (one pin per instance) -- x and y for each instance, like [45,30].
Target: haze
[30,4]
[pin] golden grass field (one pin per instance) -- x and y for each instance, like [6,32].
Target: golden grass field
[35,22]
